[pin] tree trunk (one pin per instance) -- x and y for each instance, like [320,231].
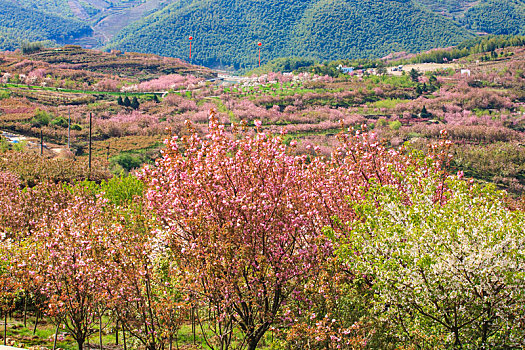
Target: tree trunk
[80,344]
[457,342]
[36,321]
[25,311]
[124,337]
[193,326]
[5,328]
[56,336]
[116,332]
[100,331]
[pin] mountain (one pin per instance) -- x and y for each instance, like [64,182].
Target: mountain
[226,32]
[19,23]
[449,8]
[497,17]
[98,20]
[501,17]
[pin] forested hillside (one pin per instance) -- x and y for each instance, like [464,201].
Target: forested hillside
[19,23]
[226,32]
[489,16]
[450,8]
[55,7]
[497,17]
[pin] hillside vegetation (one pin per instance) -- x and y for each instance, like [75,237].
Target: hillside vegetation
[19,23]
[226,32]
[497,17]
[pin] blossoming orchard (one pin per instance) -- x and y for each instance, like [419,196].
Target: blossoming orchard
[319,209]
[251,246]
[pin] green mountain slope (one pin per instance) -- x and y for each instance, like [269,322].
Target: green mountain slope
[54,7]
[19,23]
[497,17]
[449,8]
[227,31]
[489,16]
[344,28]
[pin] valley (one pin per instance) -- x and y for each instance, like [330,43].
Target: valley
[479,102]
[262,175]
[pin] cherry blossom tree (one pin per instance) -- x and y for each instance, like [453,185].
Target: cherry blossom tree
[240,224]
[145,290]
[63,257]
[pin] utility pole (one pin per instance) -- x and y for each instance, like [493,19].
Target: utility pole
[69,130]
[259,44]
[90,128]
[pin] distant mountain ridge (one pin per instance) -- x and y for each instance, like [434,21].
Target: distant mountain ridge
[226,31]
[19,22]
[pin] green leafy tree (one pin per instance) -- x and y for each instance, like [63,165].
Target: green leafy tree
[424,113]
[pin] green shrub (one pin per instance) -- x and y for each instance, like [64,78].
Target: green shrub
[60,121]
[127,161]
[41,118]
[395,125]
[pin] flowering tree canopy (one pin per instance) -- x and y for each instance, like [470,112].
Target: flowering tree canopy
[240,222]
[447,273]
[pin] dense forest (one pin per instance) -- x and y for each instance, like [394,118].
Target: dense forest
[226,32]
[497,17]
[19,24]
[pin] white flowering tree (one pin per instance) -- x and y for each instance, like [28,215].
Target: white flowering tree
[447,271]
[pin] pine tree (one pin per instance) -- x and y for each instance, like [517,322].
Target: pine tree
[135,103]
[425,114]
[119,101]
[127,102]
[414,75]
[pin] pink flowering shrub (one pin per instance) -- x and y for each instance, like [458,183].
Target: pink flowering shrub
[132,123]
[169,82]
[107,84]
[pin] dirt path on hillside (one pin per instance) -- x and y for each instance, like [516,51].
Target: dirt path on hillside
[33,144]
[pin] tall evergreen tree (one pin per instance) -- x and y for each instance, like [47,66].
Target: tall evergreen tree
[135,103]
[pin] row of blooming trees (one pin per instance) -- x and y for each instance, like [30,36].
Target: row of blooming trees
[372,247]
